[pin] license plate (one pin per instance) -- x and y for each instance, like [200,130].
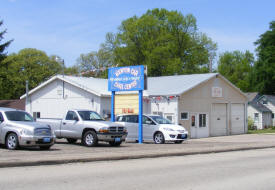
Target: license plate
[183,136]
[47,139]
[117,139]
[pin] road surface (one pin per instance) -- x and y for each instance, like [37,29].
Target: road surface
[254,169]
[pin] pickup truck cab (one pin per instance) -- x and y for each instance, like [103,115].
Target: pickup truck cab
[155,128]
[17,128]
[88,126]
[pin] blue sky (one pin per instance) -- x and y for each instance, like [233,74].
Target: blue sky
[68,27]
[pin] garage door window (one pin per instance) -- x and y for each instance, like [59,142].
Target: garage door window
[184,116]
[202,120]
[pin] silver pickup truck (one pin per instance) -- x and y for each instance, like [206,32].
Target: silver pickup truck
[88,126]
[17,128]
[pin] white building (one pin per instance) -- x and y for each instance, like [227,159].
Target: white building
[205,104]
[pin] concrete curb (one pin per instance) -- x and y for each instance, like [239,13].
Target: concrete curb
[125,157]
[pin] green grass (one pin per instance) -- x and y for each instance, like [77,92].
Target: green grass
[269,130]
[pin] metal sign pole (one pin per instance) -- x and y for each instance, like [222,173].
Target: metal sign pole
[140,129]
[113,107]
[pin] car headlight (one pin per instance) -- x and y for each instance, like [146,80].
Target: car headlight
[25,132]
[104,130]
[125,130]
[168,129]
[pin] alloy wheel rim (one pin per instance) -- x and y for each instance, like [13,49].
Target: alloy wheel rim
[11,141]
[158,138]
[89,139]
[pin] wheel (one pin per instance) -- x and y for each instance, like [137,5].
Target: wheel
[45,147]
[115,143]
[71,141]
[178,142]
[12,141]
[89,139]
[159,138]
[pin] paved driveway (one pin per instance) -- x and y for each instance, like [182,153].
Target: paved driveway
[62,152]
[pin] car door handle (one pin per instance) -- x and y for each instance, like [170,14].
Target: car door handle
[64,123]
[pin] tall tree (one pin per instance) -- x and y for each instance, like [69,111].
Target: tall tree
[29,64]
[166,41]
[236,67]
[264,70]
[4,45]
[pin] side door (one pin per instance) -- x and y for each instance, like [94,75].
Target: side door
[132,123]
[194,125]
[69,125]
[149,128]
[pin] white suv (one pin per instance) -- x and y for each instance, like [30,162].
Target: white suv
[155,128]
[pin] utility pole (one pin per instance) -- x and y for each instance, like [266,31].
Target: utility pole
[27,94]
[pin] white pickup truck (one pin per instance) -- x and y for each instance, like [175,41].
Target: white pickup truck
[88,126]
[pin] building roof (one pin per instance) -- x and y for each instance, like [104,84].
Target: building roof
[258,106]
[157,86]
[252,96]
[270,98]
[177,84]
[16,104]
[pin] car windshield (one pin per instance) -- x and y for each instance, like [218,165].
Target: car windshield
[89,116]
[160,120]
[18,116]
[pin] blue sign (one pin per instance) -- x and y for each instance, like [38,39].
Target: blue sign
[126,78]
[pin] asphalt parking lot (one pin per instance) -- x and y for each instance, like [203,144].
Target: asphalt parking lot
[62,152]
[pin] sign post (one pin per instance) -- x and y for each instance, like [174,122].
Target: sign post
[127,79]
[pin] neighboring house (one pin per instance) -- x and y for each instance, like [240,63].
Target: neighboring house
[205,104]
[260,114]
[269,102]
[16,104]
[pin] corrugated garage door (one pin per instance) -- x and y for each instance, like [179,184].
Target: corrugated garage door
[237,119]
[218,120]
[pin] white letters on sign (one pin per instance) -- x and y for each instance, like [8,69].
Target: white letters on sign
[216,92]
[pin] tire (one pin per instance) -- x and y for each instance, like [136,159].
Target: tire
[12,141]
[159,138]
[89,139]
[71,141]
[178,142]
[115,143]
[45,147]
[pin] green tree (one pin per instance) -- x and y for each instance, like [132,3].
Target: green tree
[236,67]
[264,70]
[29,64]
[166,41]
[4,45]
[94,64]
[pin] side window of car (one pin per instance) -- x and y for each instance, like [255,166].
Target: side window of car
[1,118]
[146,120]
[71,115]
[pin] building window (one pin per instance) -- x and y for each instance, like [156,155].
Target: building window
[272,115]
[256,116]
[36,115]
[202,120]
[184,116]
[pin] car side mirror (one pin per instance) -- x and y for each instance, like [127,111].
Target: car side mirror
[76,119]
[1,120]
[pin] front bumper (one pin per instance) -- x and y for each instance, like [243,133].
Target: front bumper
[170,136]
[110,137]
[36,140]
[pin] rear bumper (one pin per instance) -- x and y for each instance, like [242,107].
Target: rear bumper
[36,141]
[110,137]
